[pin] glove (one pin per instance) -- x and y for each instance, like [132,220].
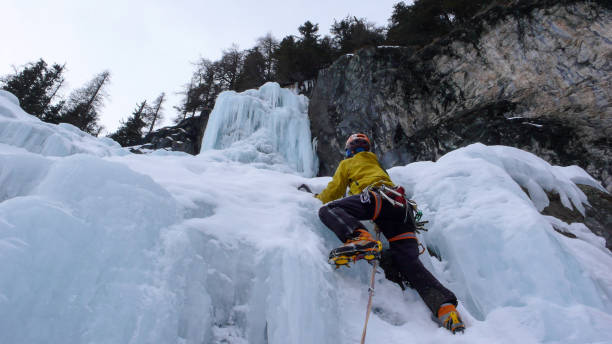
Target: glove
[304,188]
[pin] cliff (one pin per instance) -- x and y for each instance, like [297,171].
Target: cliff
[186,136]
[535,76]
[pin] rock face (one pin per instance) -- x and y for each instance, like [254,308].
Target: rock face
[598,217]
[536,76]
[186,136]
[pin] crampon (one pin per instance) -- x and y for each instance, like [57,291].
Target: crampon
[344,255]
[449,318]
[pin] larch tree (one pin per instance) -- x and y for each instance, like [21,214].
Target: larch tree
[81,109]
[228,68]
[267,45]
[155,112]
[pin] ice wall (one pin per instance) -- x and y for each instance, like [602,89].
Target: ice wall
[162,248]
[76,252]
[498,253]
[271,119]
[126,248]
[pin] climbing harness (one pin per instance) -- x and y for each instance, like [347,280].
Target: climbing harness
[394,195]
[409,235]
[403,236]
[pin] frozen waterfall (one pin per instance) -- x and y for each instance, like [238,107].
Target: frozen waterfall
[98,245]
[271,118]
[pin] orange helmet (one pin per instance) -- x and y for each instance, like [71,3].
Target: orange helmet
[357,143]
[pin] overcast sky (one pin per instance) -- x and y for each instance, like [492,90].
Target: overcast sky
[149,46]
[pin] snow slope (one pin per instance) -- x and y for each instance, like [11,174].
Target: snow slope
[101,246]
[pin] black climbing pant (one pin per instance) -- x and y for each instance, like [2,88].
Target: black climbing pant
[343,217]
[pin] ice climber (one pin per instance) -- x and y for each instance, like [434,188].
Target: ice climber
[373,196]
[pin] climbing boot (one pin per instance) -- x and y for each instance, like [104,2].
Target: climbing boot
[361,246]
[449,318]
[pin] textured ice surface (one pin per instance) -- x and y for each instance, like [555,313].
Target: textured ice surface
[19,129]
[498,251]
[270,119]
[222,248]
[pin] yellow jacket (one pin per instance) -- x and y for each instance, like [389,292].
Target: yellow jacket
[357,172]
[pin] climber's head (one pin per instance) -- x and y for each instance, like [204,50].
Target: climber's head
[357,143]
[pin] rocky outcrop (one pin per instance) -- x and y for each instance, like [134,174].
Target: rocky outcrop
[598,216]
[535,76]
[186,137]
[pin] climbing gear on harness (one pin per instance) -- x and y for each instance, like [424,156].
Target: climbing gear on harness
[363,246]
[449,318]
[420,225]
[371,292]
[356,143]
[394,195]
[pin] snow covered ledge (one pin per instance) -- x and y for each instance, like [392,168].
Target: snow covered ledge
[20,129]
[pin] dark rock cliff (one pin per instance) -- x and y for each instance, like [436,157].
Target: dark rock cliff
[598,216]
[535,76]
[186,137]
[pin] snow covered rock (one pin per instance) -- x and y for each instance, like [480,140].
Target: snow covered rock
[185,136]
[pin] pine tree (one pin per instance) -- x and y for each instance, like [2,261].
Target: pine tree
[130,131]
[423,21]
[351,33]
[308,30]
[301,59]
[83,105]
[287,67]
[309,58]
[253,72]
[36,86]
